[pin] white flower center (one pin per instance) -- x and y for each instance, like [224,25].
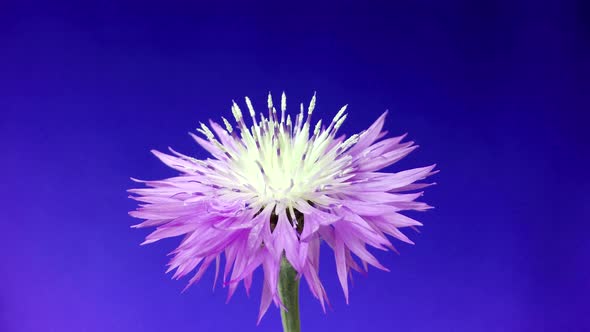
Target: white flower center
[278,160]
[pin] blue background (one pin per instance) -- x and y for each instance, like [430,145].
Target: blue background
[495,92]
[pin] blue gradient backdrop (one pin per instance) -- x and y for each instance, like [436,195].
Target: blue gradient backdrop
[495,92]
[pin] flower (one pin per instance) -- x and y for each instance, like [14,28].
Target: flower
[281,187]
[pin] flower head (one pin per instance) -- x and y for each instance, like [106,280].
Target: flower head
[279,187]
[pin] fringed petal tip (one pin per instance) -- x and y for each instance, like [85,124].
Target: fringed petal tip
[148,242]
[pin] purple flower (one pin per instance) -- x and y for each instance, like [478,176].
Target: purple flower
[281,187]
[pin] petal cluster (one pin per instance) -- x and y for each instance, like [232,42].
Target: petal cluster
[282,186]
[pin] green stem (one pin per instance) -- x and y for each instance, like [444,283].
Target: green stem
[289,293]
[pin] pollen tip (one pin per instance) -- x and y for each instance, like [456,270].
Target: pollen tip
[283,101]
[269,101]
